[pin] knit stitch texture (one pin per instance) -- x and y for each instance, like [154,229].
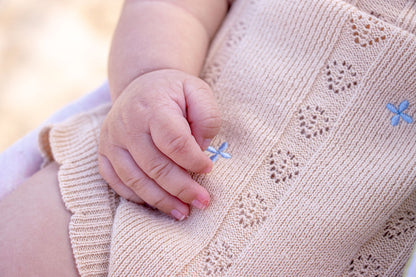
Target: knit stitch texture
[319,183]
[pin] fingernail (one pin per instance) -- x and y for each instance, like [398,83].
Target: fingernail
[205,144]
[207,170]
[197,204]
[177,214]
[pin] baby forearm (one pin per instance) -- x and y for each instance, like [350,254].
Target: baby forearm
[160,34]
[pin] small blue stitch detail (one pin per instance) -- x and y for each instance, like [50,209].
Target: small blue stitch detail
[399,113]
[219,152]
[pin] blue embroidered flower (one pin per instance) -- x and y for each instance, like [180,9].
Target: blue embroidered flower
[219,152]
[399,113]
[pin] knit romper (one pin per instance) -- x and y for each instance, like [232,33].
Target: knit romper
[315,169]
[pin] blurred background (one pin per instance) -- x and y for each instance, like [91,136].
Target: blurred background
[51,52]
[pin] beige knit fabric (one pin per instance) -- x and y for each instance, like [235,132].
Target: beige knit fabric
[320,182]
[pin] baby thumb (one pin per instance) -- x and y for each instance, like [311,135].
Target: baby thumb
[202,112]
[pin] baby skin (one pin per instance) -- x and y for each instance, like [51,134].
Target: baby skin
[163,117]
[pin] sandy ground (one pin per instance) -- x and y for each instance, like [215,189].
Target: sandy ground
[51,52]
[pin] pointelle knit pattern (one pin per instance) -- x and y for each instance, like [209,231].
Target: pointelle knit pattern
[320,181]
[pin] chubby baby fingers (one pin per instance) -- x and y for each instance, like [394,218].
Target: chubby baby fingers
[144,187]
[172,135]
[203,114]
[167,174]
[110,176]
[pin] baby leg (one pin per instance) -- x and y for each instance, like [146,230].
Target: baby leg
[34,222]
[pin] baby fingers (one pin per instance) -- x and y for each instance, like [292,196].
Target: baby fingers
[166,173]
[172,136]
[108,173]
[143,186]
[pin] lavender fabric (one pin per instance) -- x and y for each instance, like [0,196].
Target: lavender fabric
[23,159]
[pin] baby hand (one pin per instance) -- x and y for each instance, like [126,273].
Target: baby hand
[155,132]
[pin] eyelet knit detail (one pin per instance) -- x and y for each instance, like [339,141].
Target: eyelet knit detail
[340,77]
[218,258]
[312,121]
[367,30]
[283,166]
[337,200]
[252,210]
[393,12]
[213,70]
[364,266]
[238,34]
[390,243]
[378,15]
[402,224]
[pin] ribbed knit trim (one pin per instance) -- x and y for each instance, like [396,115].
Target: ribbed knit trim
[73,144]
[271,65]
